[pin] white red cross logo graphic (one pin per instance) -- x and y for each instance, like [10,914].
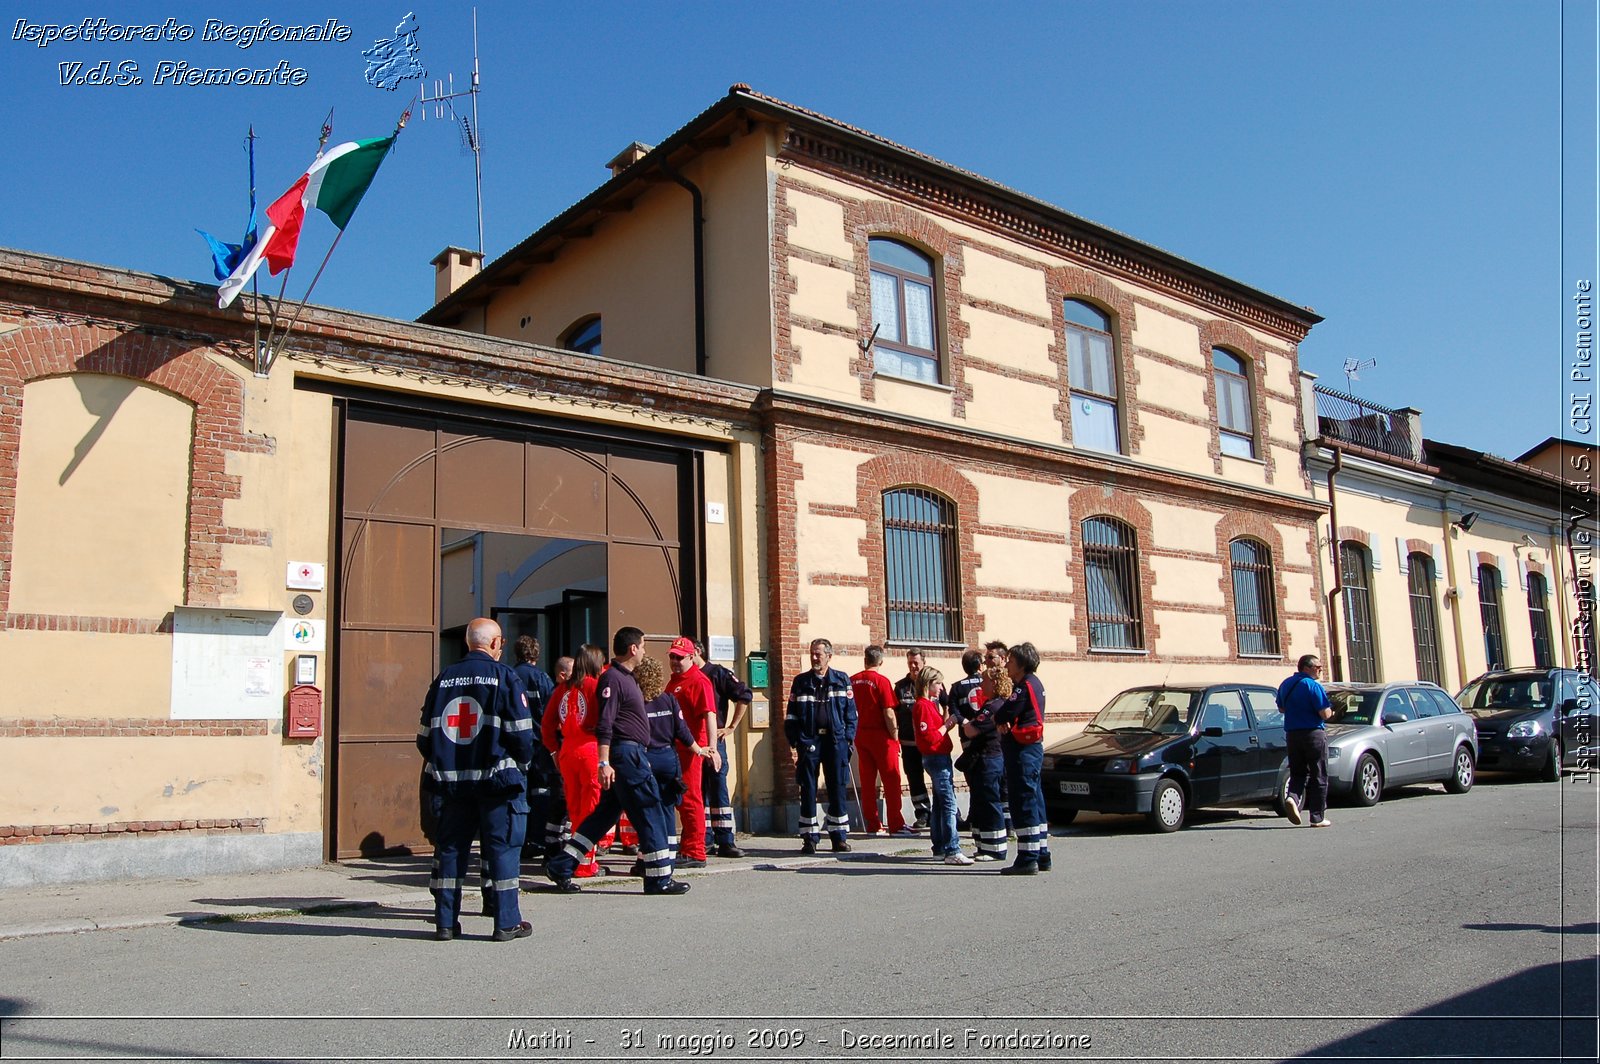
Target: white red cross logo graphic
[462,719]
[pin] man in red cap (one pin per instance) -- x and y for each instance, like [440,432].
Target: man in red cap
[697,700]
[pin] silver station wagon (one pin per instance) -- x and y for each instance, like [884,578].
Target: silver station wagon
[1389,735]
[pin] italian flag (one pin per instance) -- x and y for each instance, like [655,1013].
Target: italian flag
[334,185]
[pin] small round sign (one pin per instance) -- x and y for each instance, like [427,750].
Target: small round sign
[303,604]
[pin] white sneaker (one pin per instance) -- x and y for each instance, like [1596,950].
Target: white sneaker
[987,857]
[957,858]
[1291,809]
[1323,823]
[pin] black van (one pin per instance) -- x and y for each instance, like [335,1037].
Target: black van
[1164,750]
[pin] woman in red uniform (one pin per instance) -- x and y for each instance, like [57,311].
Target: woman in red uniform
[576,711]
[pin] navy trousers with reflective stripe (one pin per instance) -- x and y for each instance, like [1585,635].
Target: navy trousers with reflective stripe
[833,758]
[634,791]
[1023,767]
[492,820]
[719,806]
[986,815]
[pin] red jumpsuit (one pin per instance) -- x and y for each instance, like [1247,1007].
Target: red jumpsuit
[697,700]
[572,713]
[877,750]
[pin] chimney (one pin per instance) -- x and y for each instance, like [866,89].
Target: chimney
[1410,419]
[627,157]
[452,268]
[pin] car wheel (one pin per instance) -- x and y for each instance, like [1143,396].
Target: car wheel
[1369,780]
[1552,766]
[1063,816]
[1460,781]
[1280,802]
[1168,806]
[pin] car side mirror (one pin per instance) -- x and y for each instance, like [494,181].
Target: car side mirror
[1212,732]
[1394,716]
[1569,707]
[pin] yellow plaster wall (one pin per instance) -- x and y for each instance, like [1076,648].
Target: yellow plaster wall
[1176,444]
[1302,635]
[102,498]
[85,674]
[823,293]
[1008,342]
[929,402]
[1191,634]
[1010,284]
[1181,528]
[1030,504]
[1244,471]
[829,475]
[1012,407]
[1300,592]
[1019,563]
[1047,625]
[1187,581]
[1170,336]
[832,613]
[830,545]
[818,225]
[1296,545]
[1169,387]
[823,365]
[177,778]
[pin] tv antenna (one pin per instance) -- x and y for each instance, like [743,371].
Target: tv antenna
[1353,368]
[442,103]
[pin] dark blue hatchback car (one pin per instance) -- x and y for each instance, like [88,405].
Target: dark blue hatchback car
[1533,720]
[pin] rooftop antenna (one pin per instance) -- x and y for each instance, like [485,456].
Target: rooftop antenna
[1353,368]
[442,102]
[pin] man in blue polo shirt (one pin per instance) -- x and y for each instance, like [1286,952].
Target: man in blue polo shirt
[1304,703]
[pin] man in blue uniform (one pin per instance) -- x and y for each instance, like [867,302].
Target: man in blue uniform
[1021,725]
[1304,703]
[728,688]
[820,726]
[627,783]
[547,803]
[476,738]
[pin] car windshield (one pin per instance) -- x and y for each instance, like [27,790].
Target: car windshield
[1507,692]
[1355,707]
[1164,711]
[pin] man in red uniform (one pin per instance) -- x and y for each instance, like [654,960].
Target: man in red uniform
[697,700]
[877,750]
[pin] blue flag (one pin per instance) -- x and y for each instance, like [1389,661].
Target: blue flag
[225,258]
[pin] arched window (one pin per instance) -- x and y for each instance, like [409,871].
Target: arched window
[920,567]
[903,312]
[1494,636]
[1255,612]
[1092,373]
[1539,620]
[1111,576]
[1424,616]
[1236,420]
[1355,576]
[584,336]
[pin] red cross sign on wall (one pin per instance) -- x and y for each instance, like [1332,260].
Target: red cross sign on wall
[462,719]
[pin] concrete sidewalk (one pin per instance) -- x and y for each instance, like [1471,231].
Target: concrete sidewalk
[398,882]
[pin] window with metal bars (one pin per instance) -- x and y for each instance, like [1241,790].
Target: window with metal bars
[1111,575]
[1361,650]
[920,567]
[1494,636]
[1539,620]
[1424,617]
[1255,610]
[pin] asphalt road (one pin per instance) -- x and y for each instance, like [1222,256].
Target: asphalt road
[1432,926]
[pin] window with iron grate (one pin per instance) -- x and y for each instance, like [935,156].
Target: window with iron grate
[1255,610]
[1111,576]
[921,570]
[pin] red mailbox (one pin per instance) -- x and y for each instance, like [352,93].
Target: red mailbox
[305,712]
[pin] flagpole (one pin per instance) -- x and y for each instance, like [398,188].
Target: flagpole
[283,338]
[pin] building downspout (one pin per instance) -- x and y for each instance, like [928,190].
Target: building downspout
[698,203]
[1335,642]
[1454,594]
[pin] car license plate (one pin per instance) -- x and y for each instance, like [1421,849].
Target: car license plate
[1074,787]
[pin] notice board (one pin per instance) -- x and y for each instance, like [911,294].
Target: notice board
[227,664]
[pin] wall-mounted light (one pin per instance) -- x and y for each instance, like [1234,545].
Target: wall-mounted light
[1466,521]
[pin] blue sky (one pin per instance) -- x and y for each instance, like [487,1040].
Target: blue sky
[1396,166]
